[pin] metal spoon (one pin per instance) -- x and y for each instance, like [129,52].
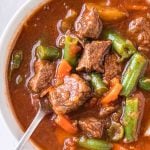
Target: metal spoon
[42,112]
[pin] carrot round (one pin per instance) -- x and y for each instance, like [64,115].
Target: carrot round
[113,93]
[65,124]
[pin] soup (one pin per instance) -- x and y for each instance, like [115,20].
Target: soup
[88,60]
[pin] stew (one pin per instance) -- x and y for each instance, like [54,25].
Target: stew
[88,60]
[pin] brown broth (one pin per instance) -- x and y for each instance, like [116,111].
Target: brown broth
[43,24]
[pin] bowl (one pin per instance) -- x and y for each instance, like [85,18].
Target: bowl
[7,41]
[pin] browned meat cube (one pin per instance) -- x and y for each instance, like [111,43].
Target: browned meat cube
[88,24]
[111,67]
[44,73]
[91,127]
[70,95]
[139,29]
[93,55]
[70,143]
[107,110]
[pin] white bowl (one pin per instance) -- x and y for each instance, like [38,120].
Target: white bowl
[7,42]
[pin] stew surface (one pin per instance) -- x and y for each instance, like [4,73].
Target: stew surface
[88,60]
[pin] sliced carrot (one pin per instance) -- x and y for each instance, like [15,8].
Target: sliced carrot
[113,93]
[65,124]
[64,69]
[74,49]
[118,147]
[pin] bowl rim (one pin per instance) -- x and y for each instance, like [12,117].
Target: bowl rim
[7,42]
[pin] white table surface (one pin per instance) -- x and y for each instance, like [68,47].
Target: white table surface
[7,10]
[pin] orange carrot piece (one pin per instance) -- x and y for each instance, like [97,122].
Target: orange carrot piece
[113,93]
[118,147]
[65,124]
[64,69]
[74,49]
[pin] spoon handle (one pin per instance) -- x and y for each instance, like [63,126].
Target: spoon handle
[39,116]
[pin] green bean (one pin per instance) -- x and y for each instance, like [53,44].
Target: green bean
[94,144]
[69,55]
[98,84]
[15,62]
[130,119]
[116,131]
[132,73]
[47,53]
[144,83]
[123,47]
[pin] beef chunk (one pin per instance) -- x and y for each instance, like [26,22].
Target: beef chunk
[92,57]
[91,127]
[139,29]
[107,110]
[111,67]
[70,143]
[92,103]
[44,73]
[70,95]
[88,24]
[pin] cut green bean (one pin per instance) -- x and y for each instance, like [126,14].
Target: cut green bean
[71,50]
[132,73]
[144,83]
[116,131]
[130,119]
[69,54]
[98,84]
[123,47]
[47,53]
[94,144]
[15,62]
